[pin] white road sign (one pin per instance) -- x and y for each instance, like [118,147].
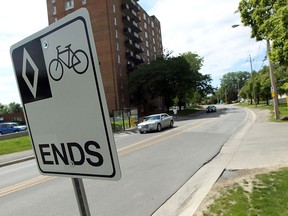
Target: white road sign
[61,88]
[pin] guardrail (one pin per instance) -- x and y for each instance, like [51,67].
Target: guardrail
[13,135]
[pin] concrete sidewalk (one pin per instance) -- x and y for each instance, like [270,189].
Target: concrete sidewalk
[257,144]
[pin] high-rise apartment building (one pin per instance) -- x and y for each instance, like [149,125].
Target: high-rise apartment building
[125,36]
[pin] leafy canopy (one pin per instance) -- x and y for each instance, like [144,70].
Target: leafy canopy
[168,77]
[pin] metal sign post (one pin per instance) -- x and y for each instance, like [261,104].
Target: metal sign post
[81,196]
[60,84]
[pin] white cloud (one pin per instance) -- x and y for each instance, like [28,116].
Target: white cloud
[205,27]
[19,19]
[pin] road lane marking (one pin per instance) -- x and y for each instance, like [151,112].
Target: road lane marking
[143,144]
[122,151]
[25,184]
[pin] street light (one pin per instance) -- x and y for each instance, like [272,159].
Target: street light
[272,78]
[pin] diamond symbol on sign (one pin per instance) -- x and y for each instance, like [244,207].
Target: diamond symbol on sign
[31,86]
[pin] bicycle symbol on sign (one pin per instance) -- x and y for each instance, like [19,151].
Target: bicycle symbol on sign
[78,60]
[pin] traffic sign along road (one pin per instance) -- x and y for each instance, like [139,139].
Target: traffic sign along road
[61,88]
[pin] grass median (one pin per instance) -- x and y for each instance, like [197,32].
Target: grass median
[15,145]
[265,194]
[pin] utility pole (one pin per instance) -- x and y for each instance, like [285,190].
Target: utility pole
[273,83]
[253,83]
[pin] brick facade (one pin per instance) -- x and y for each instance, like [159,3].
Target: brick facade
[125,36]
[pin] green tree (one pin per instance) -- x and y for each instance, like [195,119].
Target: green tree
[11,108]
[3,109]
[281,73]
[278,32]
[265,83]
[246,91]
[231,83]
[14,108]
[168,78]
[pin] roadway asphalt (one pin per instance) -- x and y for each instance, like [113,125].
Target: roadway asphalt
[258,143]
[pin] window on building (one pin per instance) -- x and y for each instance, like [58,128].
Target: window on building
[152,24]
[148,53]
[147,44]
[84,2]
[145,25]
[54,10]
[53,1]
[116,33]
[144,16]
[119,59]
[146,35]
[153,40]
[114,8]
[117,46]
[69,5]
[115,21]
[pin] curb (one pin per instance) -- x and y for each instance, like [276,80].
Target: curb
[17,161]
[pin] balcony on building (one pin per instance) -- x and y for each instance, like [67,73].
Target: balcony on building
[130,12]
[132,4]
[134,46]
[130,55]
[134,57]
[139,59]
[129,33]
[129,22]
[130,66]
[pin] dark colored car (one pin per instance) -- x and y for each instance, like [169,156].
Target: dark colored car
[11,127]
[211,109]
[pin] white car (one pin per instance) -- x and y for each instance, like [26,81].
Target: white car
[156,122]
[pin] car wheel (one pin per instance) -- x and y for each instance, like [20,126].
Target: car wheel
[159,127]
[171,124]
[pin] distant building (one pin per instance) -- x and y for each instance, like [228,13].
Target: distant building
[13,117]
[125,36]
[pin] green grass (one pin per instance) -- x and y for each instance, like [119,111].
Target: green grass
[283,109]
[269,196]
[15,145]
[232,202]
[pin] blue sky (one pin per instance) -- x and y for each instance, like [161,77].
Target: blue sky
[205,27]
[202,27]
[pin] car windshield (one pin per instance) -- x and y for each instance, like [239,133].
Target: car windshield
[153,117]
